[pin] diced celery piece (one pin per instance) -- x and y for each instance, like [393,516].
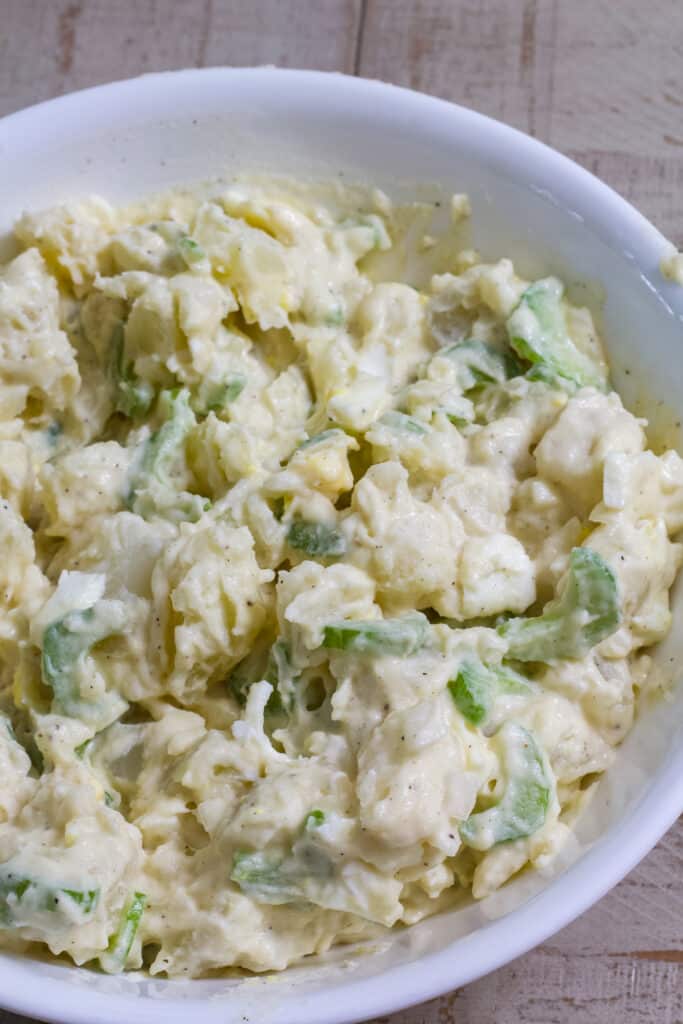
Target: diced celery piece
[585,613]
[22,897]
[190,250]
[152,490]
[524,805]
[65,643]
[480,363]
[400,637]
[399,421]
[316,539]
[274,666]
[114,959]
[215,397]
[314,819]
[476,686]
[132,396]
[537,330]
[324,435]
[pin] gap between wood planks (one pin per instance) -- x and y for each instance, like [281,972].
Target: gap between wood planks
[360,32]
[671,956]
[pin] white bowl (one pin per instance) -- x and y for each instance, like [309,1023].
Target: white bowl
[133,137]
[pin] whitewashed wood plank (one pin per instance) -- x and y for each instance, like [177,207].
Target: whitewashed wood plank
[320,34]
[51,48]
[643,916]
[482,54]
[600,80]
[48,47]
[617,76]
[544,988]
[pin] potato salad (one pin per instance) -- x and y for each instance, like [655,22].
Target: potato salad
[327,583]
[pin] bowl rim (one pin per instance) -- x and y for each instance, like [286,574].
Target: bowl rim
[615,853]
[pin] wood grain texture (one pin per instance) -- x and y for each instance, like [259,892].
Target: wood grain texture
[48,47]
[601,80]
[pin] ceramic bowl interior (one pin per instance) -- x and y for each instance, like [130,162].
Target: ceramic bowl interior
[144,135]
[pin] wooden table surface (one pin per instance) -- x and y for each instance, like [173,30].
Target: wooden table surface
[601,80]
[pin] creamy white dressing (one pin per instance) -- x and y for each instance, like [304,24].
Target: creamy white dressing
[258,510]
